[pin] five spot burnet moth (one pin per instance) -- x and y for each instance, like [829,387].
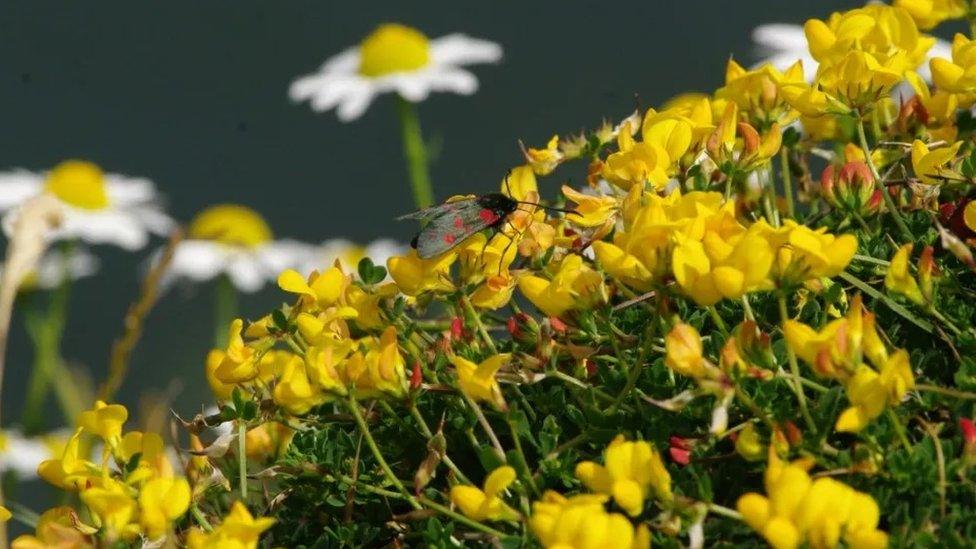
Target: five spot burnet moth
[449,224]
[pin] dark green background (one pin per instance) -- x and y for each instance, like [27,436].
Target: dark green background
[194,96]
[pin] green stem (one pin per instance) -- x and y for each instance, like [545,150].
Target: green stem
[479,325]
[415,153]
[242,458]
[795,370]
[945,391]
[428,434]
[463,519]
[899,429]
[521,455]
[892,304]
[480,415]
[718,320]
[200,518]
[225,310]
[371,442]
[906,234]
[784,159]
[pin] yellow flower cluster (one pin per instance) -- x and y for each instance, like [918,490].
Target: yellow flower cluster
[133,491]
[820,512]
[839,351]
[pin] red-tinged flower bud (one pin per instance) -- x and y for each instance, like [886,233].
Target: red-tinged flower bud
[793,433]
[558,325]
[968,429]
[513,327]
[416,376]
[590,366]
[680,450]
[522,327]
[750,138]
[851,188]
[457,328]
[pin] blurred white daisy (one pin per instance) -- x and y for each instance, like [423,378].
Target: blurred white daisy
[349,253]
[57,265]
[22,454]
[781,44]
[100,208]
[233,240]
[394,58]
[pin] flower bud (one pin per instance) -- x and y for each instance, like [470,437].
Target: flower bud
[851,188]
[749,445]
[968,429]
[927,270]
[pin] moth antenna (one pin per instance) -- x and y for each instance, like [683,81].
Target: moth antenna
[550,208]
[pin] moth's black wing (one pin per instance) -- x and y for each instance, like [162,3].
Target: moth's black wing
[452,225]
[433,211]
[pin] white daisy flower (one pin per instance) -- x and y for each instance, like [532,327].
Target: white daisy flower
[235,241]
[100,208]
[394,58]
[781,44]
[349,253]
[22,455]
[54,268]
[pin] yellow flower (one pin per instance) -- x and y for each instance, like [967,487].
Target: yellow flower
[803,253]
[5,514]
[673,132]
[855,81]
[930,164]
[71,471]
[798,509]
[240,530]
[322,289]
[591,210]
[870,392]
[105,421]
[239,363]
[631,470]
[220,389]
[294,391]
[478,380]
[380,371]
[480,258]
[574,285]
[888,34]
[698,109]
[268,441]
[929,13]
[637,163]
[153,462]
[581,522]
[59,527]
[486,504]
[956,76]
[114,506]
[683,347]
[162,501]
[494,293]
[940,106]
[748,444]
[717,267]
[415,276]
[898,278]
[322,362]
[544,161]
[756,92]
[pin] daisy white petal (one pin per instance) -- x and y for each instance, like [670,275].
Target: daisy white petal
[54,267]
[246,274]
[21,454]
[17,186]
[355,104]
[453,79]
[461,49]
[197,260]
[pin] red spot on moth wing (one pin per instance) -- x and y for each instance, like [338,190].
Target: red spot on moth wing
[449,238]
[488,216]
[458,222]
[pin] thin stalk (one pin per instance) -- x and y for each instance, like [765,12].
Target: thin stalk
[463,519]
[518,450]
[200,518]
[724,511]
[242,458]
[225,310]
[747,401]
[718,320]
[425,430]
[795,371]
[940,465]
[945,391]
[357,414]
[906,234]
[480,326]
[784,159]
[803,381]
[415,153]
[892,304]
[496,444]
[899,429]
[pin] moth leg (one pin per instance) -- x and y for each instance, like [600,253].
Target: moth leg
[511,240]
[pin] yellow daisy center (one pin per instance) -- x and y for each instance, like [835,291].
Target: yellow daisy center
[230,224]
[393,48]
[4,442]
[79,183]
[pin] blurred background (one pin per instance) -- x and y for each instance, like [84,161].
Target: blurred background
[193,95]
